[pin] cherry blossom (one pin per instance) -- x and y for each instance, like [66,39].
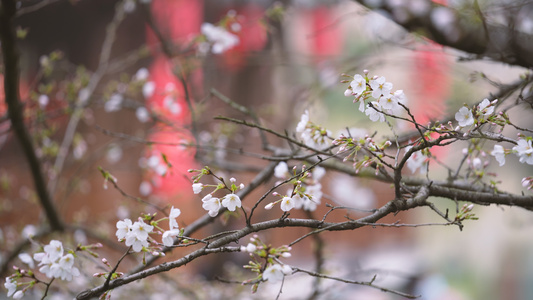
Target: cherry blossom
[123,228]
[358,85]
[219,37]
[273,273]
[231,201]
[287,203]
[197,188]
[212,205]
[303,122]
[11,286]
[54,264]
[485,107]
[174,213]
[168,237]
[464,117]
[499,154]
[249,248]
[26,258]
[524,151]
[380,87]
[276,272]
[374,112]
[281,170]
[416,160]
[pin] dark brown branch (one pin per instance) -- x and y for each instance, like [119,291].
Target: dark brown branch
[219,245]
[498,42]
[15,110]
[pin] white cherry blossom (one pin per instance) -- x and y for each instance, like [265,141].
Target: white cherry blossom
[358,85]
[380,87]
[211,204]
[464,117]
[231,202]
[499,154]
[287,203]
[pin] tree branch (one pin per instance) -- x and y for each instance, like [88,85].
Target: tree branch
[498,42]
[15,110]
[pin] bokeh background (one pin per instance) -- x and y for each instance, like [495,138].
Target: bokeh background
[282,66]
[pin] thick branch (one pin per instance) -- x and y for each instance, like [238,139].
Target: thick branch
[462,32]
[15,110]
[219,245]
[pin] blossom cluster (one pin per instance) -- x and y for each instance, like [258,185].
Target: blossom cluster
[306,192]
[480,114]
[312,135]
[211,203]
[54,262]
[381,98]
[351,145]
[136,234]
[523,149]
[218,39]
[272,270]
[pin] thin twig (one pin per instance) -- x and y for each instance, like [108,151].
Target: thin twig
[365,283]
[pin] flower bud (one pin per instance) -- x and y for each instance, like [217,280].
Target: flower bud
[269,206]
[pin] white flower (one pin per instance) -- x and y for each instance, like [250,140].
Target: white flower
[141,230]
[29,231]
[315,192]
[114,103]
[299,201]
[374,113]
[318,173]
[416,160]
[499,154]
[380,87]
[273,273]
[174,213]
[464,117]
[211,204]
[249,248]
[145,188]
[358,85]
[148,89]
[221,39]
[54,250]
[168,237]
[524,150]
[269,206]
[142,114]
[281,170]
[65,269]
[309,204]
[197,188]
[287,204]
[43,101]
[172,105]
[477,164]
[231,201]
[400,97]
[485,107]
[123,228]
[26,258]
[136,243]
[303,122]
[11,286]
[141,75]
